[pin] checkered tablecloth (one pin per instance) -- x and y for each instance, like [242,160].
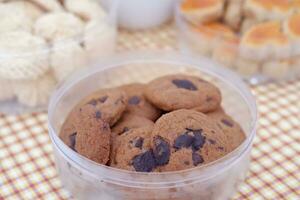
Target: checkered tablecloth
[26,161]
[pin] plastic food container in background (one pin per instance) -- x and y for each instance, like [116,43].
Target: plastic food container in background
[143,14]
[43,42]
[260,50]
[86,179]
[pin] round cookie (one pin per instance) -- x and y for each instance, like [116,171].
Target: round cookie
[184,129]
[138,104]
[231,129]
[68,131]
[56,26]
[109,104]
[129,121]
[179,91]
[132,151]
[93,135]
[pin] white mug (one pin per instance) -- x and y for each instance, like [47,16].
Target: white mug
[143,14]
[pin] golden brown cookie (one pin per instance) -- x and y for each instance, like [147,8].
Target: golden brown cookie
[195,134]
[137,103]
[202,11]
[109,104]
[180,91]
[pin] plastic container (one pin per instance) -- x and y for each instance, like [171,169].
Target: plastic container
[86,179]
[29,76]
[264,65]
[143,14]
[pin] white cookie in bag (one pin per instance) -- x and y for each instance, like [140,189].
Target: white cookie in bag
[14,18]
[6,90]
[48,5]
[85,9]
[58,26]
[99,39]
[35,92]
[30,9]
[23,55]
[66,58]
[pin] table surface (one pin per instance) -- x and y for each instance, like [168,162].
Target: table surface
[27,169]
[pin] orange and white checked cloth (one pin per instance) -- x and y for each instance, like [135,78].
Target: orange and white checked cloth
[26,162]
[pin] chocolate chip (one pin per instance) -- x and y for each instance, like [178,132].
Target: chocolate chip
[144,162]
[186,162]
[103,99]
[208,99]
[199,140]
[227,122]
[72,139]
[134,100]
[98,115]
[124,130]
[161,151]
[139,142]
[106,126]
[221,148]
[183,141]
[212,141]
[93,102]
[197,159]
[185,84]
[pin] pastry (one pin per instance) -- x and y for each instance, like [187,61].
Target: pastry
[198,12]
[265,40]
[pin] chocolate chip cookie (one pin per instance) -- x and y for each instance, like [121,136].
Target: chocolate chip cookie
[180,91]
[189,134]
[68,132]
[132,151]
[92,138]
[232,130]
[138,104]
[109,104]
[129,121]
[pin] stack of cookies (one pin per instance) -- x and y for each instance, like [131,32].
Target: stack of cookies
[42,42]
[174,122]
[250,36]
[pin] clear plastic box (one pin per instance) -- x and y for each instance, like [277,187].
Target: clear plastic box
[27,87]
[200,40]
[86,179]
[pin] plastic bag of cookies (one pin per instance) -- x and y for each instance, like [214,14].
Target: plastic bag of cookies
[43,41]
